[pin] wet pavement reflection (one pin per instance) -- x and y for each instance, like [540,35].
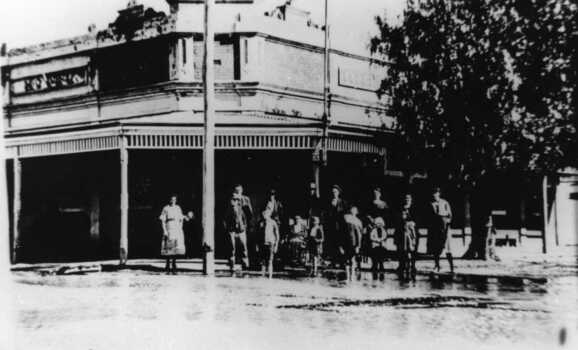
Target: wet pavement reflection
[147,310]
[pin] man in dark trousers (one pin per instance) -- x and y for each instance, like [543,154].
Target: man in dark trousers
[439,219]
[350,242]
[333,221]
[406,236]
[237,220]
[313,203]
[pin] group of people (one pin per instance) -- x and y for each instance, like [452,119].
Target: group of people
[332,231]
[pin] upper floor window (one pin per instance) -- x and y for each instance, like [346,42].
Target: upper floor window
[134,64]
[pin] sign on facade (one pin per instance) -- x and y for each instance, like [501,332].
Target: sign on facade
[358,79]
[51,81]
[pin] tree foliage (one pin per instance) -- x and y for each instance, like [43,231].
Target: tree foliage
[482,86]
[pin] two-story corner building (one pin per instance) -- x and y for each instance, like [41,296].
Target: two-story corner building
[82,113]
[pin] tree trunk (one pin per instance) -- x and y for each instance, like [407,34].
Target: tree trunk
[480,212]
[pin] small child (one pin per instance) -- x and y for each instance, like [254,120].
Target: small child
[378,237]
[315,242]
[297,236]
[270,242]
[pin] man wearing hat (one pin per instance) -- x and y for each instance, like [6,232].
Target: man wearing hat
[440,217]
[314,204]
[237,221]
[336,208]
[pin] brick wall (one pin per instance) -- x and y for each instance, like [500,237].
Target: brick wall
[224,60]
[292,67]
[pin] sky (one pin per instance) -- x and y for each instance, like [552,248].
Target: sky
[27,22]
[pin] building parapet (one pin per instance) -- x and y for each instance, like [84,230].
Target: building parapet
[135,23]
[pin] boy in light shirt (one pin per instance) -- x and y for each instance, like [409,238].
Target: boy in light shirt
[270,242]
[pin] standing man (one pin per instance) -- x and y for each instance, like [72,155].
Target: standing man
[440,217]
[313,204]
[245,200]
[237,219]
[351,241]
[334,221]
[405,220]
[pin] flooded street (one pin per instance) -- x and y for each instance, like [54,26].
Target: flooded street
[133,310]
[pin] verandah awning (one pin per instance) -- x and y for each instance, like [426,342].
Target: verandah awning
[179,137]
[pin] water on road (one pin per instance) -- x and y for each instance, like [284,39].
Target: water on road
[131,310]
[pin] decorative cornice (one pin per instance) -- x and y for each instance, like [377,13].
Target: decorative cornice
[171,87]
[320,49]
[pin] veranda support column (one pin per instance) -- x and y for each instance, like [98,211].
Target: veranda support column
[209,144]
[316,161]
[123,200]
[94,216]
[522,219]
[317,177]
[544,211]
[17,206]
[467,218]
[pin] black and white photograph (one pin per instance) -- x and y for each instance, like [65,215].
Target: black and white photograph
[288,174]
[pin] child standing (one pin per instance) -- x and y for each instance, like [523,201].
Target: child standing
[270,242]
[378,238]
[409,245]
[315,242]
[297,236]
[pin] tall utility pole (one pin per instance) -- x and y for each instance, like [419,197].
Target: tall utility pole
[326,98]
[209,143]
[326,70]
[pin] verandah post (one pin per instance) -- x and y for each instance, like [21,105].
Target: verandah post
[123,200]
[17,206]
[544,212]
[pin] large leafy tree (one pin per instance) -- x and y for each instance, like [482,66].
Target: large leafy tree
[481,88]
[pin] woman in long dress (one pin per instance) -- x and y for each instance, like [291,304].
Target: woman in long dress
[173,244]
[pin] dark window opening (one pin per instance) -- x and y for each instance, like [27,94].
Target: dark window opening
[184,51]
[134,65]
